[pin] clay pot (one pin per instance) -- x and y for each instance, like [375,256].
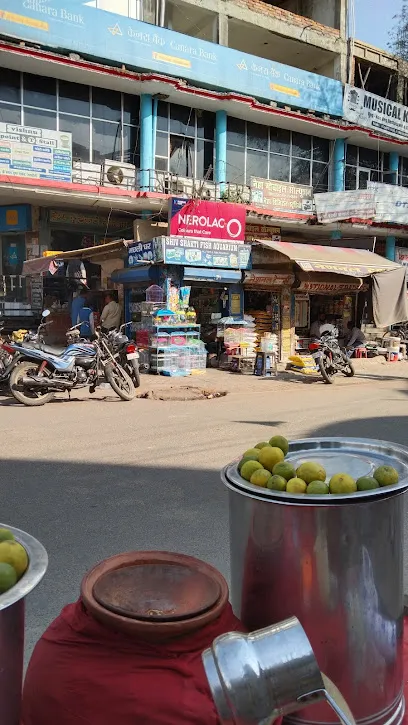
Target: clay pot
[154,595]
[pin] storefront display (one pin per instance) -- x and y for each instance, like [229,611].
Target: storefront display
[337,310]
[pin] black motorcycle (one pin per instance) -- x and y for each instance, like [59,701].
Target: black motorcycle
[126,352]
[329,356]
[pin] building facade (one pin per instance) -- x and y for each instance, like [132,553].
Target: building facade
[110,108]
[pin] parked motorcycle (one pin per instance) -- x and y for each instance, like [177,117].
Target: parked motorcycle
[43,370]
[126,352]
[7,362]
[329,356]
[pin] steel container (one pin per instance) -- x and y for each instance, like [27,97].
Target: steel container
[334,562]
[12,627]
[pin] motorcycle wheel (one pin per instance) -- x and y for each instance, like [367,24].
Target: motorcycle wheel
[349,371]
[329,379]
[29,397]
[120,381]
[132,369]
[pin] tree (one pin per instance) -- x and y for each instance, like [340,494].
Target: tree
[399,34]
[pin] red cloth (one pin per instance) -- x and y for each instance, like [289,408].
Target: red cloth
[82,672]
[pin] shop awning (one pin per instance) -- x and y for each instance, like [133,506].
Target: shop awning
[337,260]
[204,274]
[132,275]
[46,264]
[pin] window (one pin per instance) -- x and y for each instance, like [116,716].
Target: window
[103,123]
[184,141]
[364,165]
[274,153]
[403,172]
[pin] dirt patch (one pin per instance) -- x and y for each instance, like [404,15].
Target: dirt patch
[187,392]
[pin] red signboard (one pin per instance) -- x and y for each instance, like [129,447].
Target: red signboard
[207,220]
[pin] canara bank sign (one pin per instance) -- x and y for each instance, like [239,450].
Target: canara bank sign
[86,27]
[207,220]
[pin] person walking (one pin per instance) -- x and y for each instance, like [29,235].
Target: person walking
[111,314]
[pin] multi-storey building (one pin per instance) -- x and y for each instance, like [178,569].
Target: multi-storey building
[109,108]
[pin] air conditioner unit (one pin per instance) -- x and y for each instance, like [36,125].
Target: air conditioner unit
[83,173]
[119,174]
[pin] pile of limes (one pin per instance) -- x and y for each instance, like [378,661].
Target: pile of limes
[265,466]
[13,560]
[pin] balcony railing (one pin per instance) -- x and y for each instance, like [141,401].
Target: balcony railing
[13,296]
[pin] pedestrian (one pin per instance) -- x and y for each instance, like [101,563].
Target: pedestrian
[77,304]
[354,338]
[86,318]
[111,313]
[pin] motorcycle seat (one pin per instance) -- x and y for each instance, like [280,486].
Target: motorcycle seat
[54,349]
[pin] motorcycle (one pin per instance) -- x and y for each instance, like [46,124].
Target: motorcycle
[329,356]
[43,370]
[7,362]
[126,352]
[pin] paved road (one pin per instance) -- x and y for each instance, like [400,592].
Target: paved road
[91,478]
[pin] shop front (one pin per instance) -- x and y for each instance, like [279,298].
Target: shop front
[267,299]
[16,237]
[63,230]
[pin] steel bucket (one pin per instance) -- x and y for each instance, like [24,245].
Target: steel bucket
[336,563]
[12,628]
[258,677]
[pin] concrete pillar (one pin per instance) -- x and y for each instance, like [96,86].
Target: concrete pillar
[339,164]
[394,166]
[223,30]
[146,142]
[220,147]
[390,248]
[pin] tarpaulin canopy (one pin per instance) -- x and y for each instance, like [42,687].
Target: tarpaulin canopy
[42,265]
[337,260]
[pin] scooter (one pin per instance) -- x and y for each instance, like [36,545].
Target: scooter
[43,370]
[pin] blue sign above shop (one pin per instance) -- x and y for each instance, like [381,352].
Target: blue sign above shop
[77,26]
[15,218]
[189,251]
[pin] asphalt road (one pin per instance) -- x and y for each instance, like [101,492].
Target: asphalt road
[95,477]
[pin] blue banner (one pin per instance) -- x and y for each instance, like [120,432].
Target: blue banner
[189,251]
[74,25]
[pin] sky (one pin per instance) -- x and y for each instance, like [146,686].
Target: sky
[374,20]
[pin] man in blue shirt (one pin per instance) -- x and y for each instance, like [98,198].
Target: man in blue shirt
[77,304]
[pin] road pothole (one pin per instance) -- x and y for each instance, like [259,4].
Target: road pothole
[187,392]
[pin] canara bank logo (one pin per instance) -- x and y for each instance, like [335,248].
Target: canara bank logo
[242,65]
[115,30]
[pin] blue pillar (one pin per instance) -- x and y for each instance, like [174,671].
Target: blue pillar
[394,165]
[220,148]
[146,142]
[390,248]
[336,234]
[339,163]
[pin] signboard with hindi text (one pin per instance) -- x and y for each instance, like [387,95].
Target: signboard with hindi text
[371,111]
[279,196]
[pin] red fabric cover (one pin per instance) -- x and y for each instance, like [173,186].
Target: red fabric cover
[82,672]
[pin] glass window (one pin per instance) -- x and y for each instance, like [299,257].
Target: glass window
[162,144]
[181,156]
[74,98]
[363,179]
[36,118]
[204,159]
[369,158]
[351,155]
[257,136]
[321,149]
[106,105]
[205,124]
[106,141]
[256,165]
[80,129]
[301,145]
[182,120]
[236,164]
[131,110]
[162,116]
[131,145]
[10,114]
[39,91]
[10,85]
[320,177]
[279,141]
[236,131]
[351,178]
[279,167]
[300,173]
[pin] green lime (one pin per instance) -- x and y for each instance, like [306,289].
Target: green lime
[280,442]
[253,452]
[317,487]
[8,577]
[276,483]
[284,469]
[386,475]
[249,468]
[262,444]
[366,483]
[6,535]
[244,460]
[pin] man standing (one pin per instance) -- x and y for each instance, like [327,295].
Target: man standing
[77,304]
[111,314]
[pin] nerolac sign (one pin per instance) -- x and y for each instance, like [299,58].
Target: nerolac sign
[76,26]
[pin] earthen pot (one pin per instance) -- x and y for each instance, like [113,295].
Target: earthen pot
[154,595]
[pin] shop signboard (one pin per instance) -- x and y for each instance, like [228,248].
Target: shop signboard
[35,153]
[259,278]
[206,253]
[322,287]
[16,218]
[351,270]
[86,28]
[391,203]
[280,196]
[371,111]
[262,232]
[88,220]
[340,205]
[207,219]
[140,252]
